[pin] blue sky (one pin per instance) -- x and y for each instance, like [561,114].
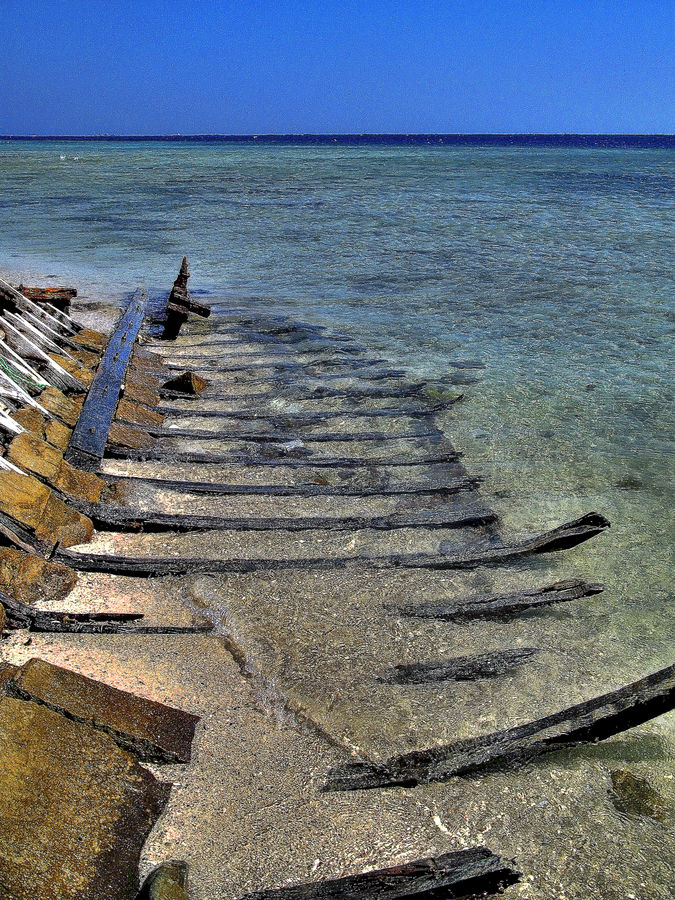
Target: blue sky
[256,66]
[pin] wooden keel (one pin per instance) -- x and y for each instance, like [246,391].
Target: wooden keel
[593,720]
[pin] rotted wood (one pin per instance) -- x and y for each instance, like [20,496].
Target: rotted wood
[461,668]
[118,518]
[283,456]
[318,393]
[87,444]
[318,488]
[506,605]
[22,615]
[12,299]
[277,438]
[347,364]
[310,417]
[474,871]
[180,304]
[61,298]
[593,720]
[561,538]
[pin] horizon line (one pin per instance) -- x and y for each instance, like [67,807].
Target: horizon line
[261,134]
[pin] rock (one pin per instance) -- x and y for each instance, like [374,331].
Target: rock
[84,375]
[167,882]
[31,579]
[186,383]
[50,430]
[635,796]
[150,730]
[75,809]
[3,619]
[135,390]
[7,671]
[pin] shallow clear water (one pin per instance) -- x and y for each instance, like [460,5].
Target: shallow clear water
[552,267]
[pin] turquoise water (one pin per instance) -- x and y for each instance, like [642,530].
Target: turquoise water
[551,267]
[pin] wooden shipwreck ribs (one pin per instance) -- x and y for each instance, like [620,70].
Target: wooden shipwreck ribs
[70,396]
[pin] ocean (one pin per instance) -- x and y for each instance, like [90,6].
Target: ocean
[536,280]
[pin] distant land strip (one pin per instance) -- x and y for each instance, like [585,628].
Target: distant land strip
[643,141]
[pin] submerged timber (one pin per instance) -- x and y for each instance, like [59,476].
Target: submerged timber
[73,399]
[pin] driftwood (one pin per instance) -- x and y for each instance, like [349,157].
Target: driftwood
[180,304]
[284,393]
[561,538]
[593,720]
[503,606]
[283,435]
[309,417]
[89,437]
[107,516]
[22,615]
[215,365]
[474,871]
[58,297]
[461,668]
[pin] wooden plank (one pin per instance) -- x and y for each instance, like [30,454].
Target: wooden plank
[593,720]
[460,668]
[87,444]
[475,871]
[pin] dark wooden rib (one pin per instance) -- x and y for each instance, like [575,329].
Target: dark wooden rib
[284,393]
[503,606]
[87,443]
[215,366]
[560,538]
[461,668]
[284,458]
[475,871]
[118,518]
[284,490]
[296,418]
[283,435]
[593,720]
[20,615]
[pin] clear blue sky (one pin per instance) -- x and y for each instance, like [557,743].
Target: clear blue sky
[255,66]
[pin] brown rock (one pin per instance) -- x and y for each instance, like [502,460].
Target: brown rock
[7,670]
[3,619]
[75,809]
[186,383]
[150,730]
[31,579]
[57,434]
[86,357]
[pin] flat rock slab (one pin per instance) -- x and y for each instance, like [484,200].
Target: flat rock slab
[41,458]
[151,731]
[75,809]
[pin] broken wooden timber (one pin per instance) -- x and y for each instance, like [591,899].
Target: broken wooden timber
[87,444]
[283,456]
[592,720]
[474,871]
[57,297]
[503,606]
[310,416]
[292,395]
[119,518]
[23,615]
[152,731]
[13,299]
[308,489]
[461,668]
[563,537]
[180,304]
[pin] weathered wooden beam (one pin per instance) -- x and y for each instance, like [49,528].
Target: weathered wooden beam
[57,297]
[461,668]
[561,538]
[504,605]
[317,488]
[288,457]
[318,393]
[22,615]
[593,720]
[311,416]
[109,516]
[87,444]
[474,871]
